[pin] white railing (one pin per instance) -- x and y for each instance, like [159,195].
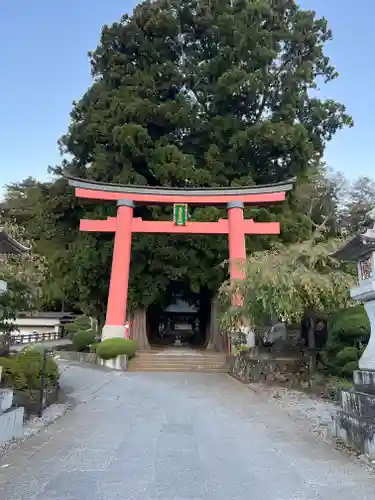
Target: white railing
[29,338]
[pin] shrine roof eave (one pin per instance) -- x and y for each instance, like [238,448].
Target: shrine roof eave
[265,193]
[358,247]
[9,245]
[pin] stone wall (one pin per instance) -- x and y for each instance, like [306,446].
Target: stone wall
[354,422]
[11,419]
[30,400]
[78,357]
[118,363]
[286,371]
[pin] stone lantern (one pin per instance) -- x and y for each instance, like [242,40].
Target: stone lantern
[354,423]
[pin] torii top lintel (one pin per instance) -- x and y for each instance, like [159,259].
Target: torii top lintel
[262,194]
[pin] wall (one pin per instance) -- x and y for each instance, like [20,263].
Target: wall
[287,371]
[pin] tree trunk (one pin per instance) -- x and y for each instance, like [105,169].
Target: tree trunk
[215,340]
[5,343]
[311,334]
[138,329]
[311,344]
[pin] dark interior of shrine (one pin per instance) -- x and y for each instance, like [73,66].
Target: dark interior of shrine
[181,319]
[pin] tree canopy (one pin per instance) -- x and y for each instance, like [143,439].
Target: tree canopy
[289,282]
[186,93]
[25,276]
[360,199]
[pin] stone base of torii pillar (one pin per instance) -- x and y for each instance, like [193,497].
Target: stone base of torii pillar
[113,331]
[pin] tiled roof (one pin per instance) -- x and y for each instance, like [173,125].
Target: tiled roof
[9,244]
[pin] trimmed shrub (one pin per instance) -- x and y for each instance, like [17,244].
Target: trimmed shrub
[111,348]
[347,354]
[80,323]
[94,346]
[23,371]
[348,331]
[82,340]
[348,326]
[351,326]
[348,369]
[35,347]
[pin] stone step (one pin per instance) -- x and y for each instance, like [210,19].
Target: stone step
[178,360]
[178,368]
[169,368]
[181,358]
[174,370]
[187,365]
[210,362]
[158,363]
[196,358]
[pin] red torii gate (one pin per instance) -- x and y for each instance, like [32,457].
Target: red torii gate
[124,224]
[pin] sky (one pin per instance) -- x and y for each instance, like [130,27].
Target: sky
[44,67]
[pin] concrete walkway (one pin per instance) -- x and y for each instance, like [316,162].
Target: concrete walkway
[176,436]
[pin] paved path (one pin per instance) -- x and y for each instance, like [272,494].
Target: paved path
[176,437]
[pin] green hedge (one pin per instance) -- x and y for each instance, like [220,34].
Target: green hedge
[348,324]
[23,371]
[82,340]
[111,348]
[80,323]
[351,325]
[347,354]
[347,329]
[348,369]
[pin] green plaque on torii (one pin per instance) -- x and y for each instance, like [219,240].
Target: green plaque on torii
[180,214]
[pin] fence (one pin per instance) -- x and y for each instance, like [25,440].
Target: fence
[30,338]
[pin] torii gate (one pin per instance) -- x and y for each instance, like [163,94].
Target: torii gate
[124,224]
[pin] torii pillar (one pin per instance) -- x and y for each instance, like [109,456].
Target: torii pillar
[118,286]
[236,240]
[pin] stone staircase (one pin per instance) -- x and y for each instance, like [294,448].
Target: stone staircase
[179,360]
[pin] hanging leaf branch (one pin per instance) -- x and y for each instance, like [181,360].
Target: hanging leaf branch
[287,281]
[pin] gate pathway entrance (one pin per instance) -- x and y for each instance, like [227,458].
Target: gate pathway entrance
[124,225]
[181,436]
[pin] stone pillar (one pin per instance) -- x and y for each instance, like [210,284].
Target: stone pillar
[118,288]
[236,240]
[367,361]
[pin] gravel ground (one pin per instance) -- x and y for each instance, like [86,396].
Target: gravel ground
[313,411]
[301,406]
